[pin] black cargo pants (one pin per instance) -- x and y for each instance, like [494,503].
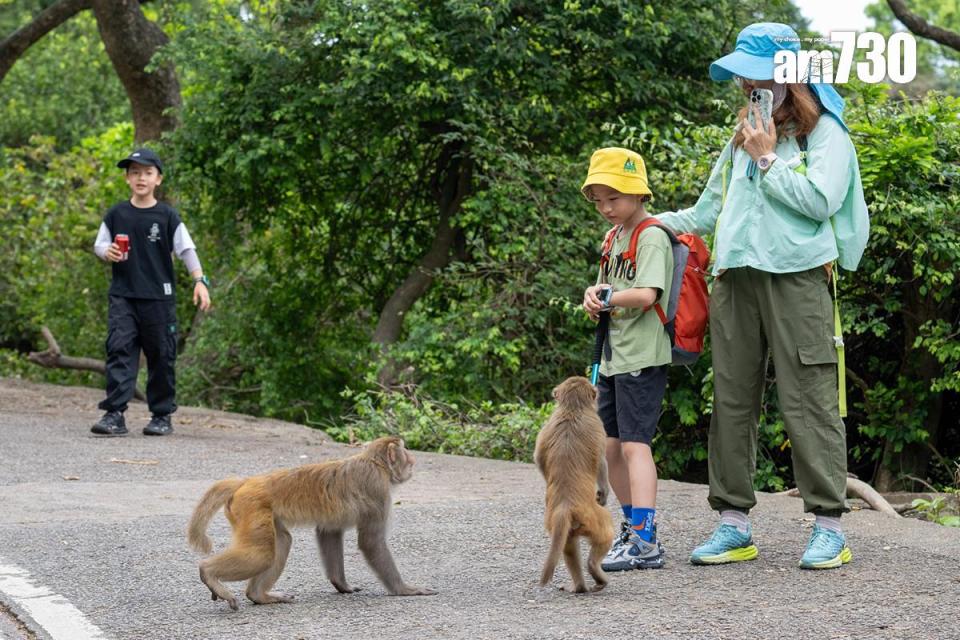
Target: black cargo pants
[151,326]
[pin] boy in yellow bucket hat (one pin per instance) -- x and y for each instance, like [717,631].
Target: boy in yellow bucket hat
[633,370]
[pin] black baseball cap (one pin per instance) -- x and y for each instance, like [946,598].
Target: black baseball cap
[142,156]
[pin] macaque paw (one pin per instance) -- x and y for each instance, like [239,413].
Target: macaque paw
[416,591]
[345,588]
[602,498]
[574,588]
[598,587]
[234,604]
[272,597]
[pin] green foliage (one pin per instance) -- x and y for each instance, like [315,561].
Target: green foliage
[938,66]
[902,307]
[504,431]
[63,86]
[51,204]
[936,510]
[331,132]
[322,148]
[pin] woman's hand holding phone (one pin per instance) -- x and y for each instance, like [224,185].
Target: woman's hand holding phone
[759,140]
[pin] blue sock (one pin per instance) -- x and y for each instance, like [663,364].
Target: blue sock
[642,520]
[627,512]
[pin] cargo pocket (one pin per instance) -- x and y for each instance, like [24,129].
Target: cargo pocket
[818,382]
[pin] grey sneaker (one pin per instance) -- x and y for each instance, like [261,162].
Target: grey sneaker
[635,553]
[618,541]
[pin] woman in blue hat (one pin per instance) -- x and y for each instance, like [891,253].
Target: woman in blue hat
[784,203]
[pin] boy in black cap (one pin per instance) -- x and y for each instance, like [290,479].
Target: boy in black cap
[142,313]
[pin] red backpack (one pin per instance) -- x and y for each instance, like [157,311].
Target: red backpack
[685,318]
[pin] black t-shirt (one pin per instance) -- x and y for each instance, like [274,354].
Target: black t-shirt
[148,271]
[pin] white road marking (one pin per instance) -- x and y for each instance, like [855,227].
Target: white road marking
[50,611]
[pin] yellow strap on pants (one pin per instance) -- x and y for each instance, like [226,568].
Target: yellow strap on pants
[838,342]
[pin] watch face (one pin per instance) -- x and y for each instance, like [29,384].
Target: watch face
[764,163]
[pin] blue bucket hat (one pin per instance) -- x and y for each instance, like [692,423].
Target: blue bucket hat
[753,59]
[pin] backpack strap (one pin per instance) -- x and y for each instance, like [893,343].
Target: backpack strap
[607,245]
[632,253]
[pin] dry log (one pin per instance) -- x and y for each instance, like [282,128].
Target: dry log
[857,489]
[53,358]
[860,489]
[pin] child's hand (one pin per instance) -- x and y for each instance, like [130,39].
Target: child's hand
[591,303]
[201,296]
[113,253]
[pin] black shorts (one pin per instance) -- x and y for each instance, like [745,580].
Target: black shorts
[629,403]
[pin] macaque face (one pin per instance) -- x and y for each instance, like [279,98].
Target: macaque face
[400,461]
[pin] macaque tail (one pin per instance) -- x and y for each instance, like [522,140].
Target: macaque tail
[215,497]
[560,525]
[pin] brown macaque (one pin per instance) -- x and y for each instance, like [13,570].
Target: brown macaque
[332,496]
[569,454]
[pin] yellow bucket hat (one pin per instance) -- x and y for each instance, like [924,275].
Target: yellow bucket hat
[619,169]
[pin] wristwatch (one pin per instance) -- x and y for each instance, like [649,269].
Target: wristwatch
[204,279]
[765,161]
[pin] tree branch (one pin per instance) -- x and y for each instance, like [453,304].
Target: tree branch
[14,45]
[858,489]
[922,28]
[53,358]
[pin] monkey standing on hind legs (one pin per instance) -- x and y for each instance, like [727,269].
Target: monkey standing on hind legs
[570,455]
[333,496]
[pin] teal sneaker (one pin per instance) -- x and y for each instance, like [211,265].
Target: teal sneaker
[826,550]
[726,544]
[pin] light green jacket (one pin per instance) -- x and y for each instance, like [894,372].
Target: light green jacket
[795,217]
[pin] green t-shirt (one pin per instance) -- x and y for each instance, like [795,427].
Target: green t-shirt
[638,339]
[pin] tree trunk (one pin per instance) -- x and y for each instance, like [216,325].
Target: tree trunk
[131,42]
[451,185]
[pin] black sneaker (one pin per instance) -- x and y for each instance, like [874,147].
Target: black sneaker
[158,426]
[111,424]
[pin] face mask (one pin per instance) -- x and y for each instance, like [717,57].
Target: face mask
[779,95]
[779,91]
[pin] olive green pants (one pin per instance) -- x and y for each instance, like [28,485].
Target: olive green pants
[790,316]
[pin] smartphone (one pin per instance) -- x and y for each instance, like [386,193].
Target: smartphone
[604,295]
[762,98]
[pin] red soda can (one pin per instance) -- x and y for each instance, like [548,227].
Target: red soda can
[123,241]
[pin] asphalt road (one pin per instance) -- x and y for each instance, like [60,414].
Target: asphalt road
[93,529]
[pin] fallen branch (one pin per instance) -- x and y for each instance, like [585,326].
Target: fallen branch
[857,489]
[53,358]
[860,489]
